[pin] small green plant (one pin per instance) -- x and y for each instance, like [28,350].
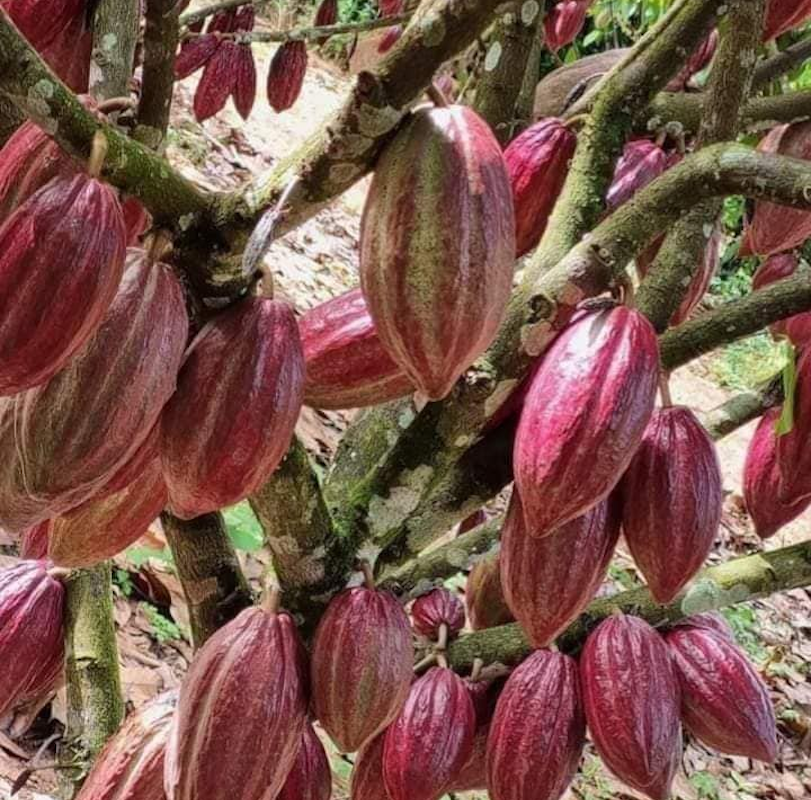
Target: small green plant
[745,364]
[244,529]
[625,577]
[122,579]
[163,628]
[706,785]
[746,627]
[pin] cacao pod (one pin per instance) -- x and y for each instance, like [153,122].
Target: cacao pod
[69,437]
[31,631]
[631,696]
[34,542]
[641,162]
[701,279]
[584,415]
[564,22]
[367,774]
[195,53]
[389,38]
[218,81]
[761,481]
[538,731]
[672,496]
[724,702]
[439,607]
[246,687]
[390,8]
[42,21]
[326,14]
[473,775]
[215,450]
[793,457]
[347,366]
[286,75]
[783,15]
[798,327]
[699,60]
[432,738]
[548,582]
[68,55]
[137,220]
[708,620]
[244,93]
[472,521]
[361,666]
[484,596]
[310,778]
[61,260]
[538,163]
[134,469]
[417,252]
[131,765]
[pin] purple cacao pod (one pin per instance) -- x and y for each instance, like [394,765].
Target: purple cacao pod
[311,777]
[708,620]
[783,15]
[367,774]
[641,162]
[244,92]
[724,702]
[793,457]
[798,327]
[439,607]
[68,55]
[286,75]
[700,59]
[135,467]
[701,279]
[564,22]
[473,775]
[484,596]
[538,731]
[631,696]
[584,415]
[215,450]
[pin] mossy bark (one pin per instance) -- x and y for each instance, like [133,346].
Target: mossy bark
[115,33]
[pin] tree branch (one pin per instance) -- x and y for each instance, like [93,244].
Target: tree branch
[772,68]
[742,408]
[190,17]
[314,33]
[115,33]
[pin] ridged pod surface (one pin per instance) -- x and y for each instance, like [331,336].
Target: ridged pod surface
[133,469]
[584,416]
[538,163]
[34,542]
[131,765]
[246,689]
[538,731]
[218,80]
[793,455]
[347,366]
[42,21]
[362,661]
[775,268]
[437,245]
[311,777]
[484,595]
[64,440]
[231,420]
[432,738]
[286,75]
[783,15]
[564,22]
[548,582]
[672,496]
[641,161]
[632,700]
[367,774]
[195,53]
[710,621]
[701,279]
[438,607]
[724,701]
[473,775]
[61,260]
[700,58]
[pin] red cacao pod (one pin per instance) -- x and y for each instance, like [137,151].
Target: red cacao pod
[417,251]
[432,738]
[484,596]
[708,620]
[473,775]
[584,415]
[761,481]
[367,774]
[672,496]
[641,162]
[216,451]
[134,468]
[798,327]
[564,22]
[31,631]
[631,696]
[724,701]
[245,688]
[389,38]
[131,765]
[793,456]
[538,163]
[195,53]
[286,75]
[701,279]
[311,777]
[34,542]
[389,8]
[137,220]
[42,21]
[68,55]
[17,723]
[439,607]
[361,666]
[61,260]
[783,15]
[700,59]
[327,13]
[244,93]
[472,521]
[538,731]
[218,80]
[548,582]
[347,366]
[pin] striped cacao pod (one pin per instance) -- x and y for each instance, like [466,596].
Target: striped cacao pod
[439,607]
[564,22]
[286,75]
[42,21]
[311,777]
[631,696]
[793,456]
[584,416]
[69,54]
[473,775]
[367,774]
[484,595]
[217,81]
[134,469]
[195,54]
[137,220]
[775,268]
[709,621]
[437,245]
[701,279]
[783,15]
[216,447]
[641,162]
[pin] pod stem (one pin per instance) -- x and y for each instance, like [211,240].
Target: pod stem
[478,666]
[98,152]
[59,573]
[576,122]
[272,599]
[368,575]
[442,638]
[664,390]
[426,662]
[115,104]
[159,246]
[442,660]
[437,96]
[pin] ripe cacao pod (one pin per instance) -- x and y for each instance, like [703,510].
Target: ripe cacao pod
[641,162]
[42,21]
[34,542]
[701,279]
[216,448]
[793,456]
[431,739]
[326,14]
[389,8]
[538,163]
[31,631]
[195,53]
[68,55]
[783,15]
[798,327]
[61,259]
[708,620]
[389,38]
[68,438]
[564,22]
[244,92]
[631,696]
[218,80]
[538,731]
[473,775]
[286,75]
[672,496]
[367,774]
[137,220]
[439,607]
[131,765]
[311,777]
[361,666]
[724,702]
[484,596]
[584,415]
[347,366]
[700,59]
[134,469]
[761,481]
[417,253]
[245,688]
[548,582]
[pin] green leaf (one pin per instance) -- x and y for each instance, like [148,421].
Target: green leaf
[140,555]
[786,421]
[244,529]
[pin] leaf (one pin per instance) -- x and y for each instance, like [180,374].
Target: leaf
[786,422]
[244,529]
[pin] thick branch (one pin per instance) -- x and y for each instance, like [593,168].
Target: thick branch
[115,33]
[780,64]
[742,408]
[315,33]
[190,17]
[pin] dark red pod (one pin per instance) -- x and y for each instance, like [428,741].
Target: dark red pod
[68,55]
[218,80]
[367,774]
[700,58]
[775,268]
[724,702]
[632,700]
[311,777]
[286,75]
[564,22]
[389,38]
[783,15]
[708,620]
[484,595]
[195,53]
[327,13]
[538,731]
[793,454]
[473,775]
[439,607]
[641,162]
[244,92]
[42,21]
[137,220]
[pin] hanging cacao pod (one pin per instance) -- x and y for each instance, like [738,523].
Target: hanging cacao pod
[439,607]
[538,731]
[783,15]
[42,21]
[793,456]
[537,163]
[286,75]
[326,14]
[34,542]
[367,774]
[311,777]
[564,22]
[246,688]
[389,38]
[698,61]
[701,279]
[390,8]
[724,702]
[641,162]
[631,696]
[473,775]
[134,469]
[137,220]
[798,327]
[244,91]
[548,582]
[347,366]
[710,621]
[431,739]
[69,54]
[218,81]
[131,765]
[584,415]
[216,448]
[195,53]
[361,666]
[672,496]
[484,596]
